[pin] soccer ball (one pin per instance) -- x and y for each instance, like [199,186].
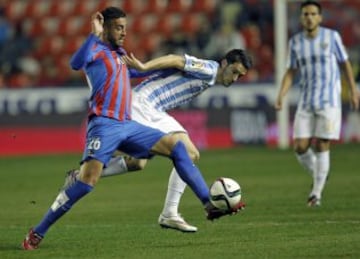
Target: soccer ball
[225,193]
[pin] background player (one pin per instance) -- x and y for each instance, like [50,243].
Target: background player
[316,53]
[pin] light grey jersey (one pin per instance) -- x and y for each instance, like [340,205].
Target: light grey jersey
[317,60]
[170,88]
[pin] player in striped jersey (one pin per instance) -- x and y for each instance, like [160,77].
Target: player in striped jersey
[179,80]
[316,54]
[110,126]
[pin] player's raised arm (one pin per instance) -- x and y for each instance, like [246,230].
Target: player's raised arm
[97,24]
[82,56]
[168,61]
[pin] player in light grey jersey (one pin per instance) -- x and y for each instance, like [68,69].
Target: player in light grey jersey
[177,80]
[317,53]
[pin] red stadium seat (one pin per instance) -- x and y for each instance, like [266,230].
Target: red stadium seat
[15,10]
[150,42]
[144,23]
[72,44]
[86,8]
[33,27]
[167,23]
[40,26]
[133,6]
[102,4]
[49,45]
[156,6]
[205,6]
[71,25]
[61,7]
[37,8]
[179,6]
[191,22]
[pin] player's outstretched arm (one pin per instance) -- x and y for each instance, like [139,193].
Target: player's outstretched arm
[168,61]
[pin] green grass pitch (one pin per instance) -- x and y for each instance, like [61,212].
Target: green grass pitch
[119,218]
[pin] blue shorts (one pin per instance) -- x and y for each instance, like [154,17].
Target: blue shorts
[105,135]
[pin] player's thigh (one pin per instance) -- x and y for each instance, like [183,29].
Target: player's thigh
[141,140]
[102,138]
[328,123]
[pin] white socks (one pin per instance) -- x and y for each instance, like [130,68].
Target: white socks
[117,165]
[308,161]
[176,188]
[318,165]
[322,171]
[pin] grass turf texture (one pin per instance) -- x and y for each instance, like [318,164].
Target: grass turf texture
[119,218]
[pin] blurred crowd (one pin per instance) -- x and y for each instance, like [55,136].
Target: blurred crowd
[38,37]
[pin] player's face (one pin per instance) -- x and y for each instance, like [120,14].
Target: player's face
[310,17]
[232,72]
[115,32]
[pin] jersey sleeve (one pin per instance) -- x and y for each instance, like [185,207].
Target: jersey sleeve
[84,54]
[339,48]
[139,74]
[200,68]
[291,56]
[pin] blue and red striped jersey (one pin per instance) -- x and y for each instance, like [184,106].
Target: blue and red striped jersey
[108,78]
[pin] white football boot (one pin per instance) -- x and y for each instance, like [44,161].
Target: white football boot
[177,223]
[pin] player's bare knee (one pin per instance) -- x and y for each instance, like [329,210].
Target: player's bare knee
[89,176]
[90,172]
[194,155]
[301,145]
[322,145]
[301,149]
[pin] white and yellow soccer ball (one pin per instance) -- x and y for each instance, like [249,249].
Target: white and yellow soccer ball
[225,193]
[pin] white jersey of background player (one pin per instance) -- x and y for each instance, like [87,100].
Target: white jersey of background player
[316,53]
[178,80]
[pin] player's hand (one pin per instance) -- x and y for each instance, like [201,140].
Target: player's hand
[355,99]
[278,104]
[133,62]
[97,22]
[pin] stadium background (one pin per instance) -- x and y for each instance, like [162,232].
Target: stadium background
[43,103]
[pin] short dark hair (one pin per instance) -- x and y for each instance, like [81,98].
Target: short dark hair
[239,55]
[311,2]
[111,13]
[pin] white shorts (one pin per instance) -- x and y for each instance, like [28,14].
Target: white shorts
[324,123]
[144,113]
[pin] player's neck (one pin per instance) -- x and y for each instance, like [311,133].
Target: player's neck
[312,33]
[219,76]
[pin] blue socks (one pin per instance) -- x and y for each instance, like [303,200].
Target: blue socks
[189,173]
[62,204]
